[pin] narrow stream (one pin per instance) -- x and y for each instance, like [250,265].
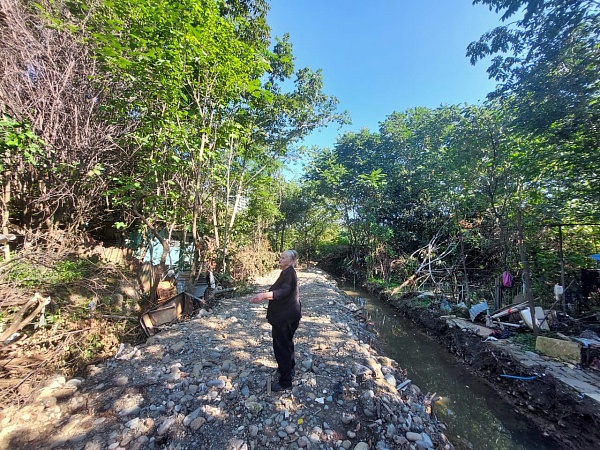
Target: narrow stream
[475,417]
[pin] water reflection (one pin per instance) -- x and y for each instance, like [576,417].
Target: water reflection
[475,417]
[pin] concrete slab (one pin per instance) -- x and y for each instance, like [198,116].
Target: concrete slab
[594,396]
[466,325]
[584,381]
[578,385]
[558,348]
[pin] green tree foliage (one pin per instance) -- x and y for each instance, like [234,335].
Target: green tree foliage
[20,152]
[547,63]
[202,93]
[414,142]
[350,176]
[305,222]
[170,116]
[440,190]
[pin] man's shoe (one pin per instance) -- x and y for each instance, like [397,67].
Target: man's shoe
[279,388]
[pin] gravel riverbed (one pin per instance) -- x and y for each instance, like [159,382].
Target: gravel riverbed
[205,384]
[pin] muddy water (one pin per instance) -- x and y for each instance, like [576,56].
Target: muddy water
[475,417]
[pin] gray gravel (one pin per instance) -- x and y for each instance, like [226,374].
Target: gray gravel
[205,384]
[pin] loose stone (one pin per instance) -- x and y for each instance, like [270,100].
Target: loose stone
[413,436]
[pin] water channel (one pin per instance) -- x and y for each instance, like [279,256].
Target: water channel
[475,417]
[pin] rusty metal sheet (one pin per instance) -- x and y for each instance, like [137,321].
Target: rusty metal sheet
[176,308]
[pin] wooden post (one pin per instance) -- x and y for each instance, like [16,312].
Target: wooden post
[526,273]
[498,300]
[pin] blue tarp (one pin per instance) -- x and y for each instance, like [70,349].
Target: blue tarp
[478,309]
[596,256]
[153,250]
[173,258]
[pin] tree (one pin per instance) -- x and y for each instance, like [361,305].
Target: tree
[547,63]
[47,86]
[203,89]
[351,178]
[305,222]
[414,143]
[268,125]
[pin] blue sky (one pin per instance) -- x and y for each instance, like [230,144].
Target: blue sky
[381,56]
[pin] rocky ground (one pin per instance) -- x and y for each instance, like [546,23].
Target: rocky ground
[205,384]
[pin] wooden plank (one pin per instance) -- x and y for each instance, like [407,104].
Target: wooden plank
[18,322]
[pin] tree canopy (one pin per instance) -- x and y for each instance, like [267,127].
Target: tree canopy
[192,105]
[547,62]
[176,118]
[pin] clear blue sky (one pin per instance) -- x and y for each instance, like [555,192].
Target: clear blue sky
[381,56]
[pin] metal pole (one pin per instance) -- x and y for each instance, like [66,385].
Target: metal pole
[562,267]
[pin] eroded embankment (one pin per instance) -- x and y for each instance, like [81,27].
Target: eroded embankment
[552,407]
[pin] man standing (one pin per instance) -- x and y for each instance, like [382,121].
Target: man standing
[283,313]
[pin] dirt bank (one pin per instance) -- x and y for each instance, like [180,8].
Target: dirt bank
[572,419]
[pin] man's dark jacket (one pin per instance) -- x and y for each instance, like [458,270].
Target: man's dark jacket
[285,307]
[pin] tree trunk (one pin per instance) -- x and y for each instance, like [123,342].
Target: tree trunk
[466,290]
[156,274]
[5,214]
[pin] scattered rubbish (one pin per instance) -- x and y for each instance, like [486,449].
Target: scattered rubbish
[24,316]
[13,338]
[507,279]
[445,305]
[515,308]
[517,377]
[539,315]
[586,342]
[590,342]
[508,324]
[488,320]
[501,334]
[165,290]
[120,350]
[558,291]
[403,384]
[169,311]
[126,352]
[478,309]
[5,238]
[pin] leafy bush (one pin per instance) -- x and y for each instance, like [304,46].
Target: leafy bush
[252,260]
[459,312]
[32,275]
[423,302]
[381,283]
[526,340]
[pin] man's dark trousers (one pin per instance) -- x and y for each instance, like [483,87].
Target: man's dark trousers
[283,347]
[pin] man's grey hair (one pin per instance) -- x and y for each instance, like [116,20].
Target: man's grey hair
[293,254]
